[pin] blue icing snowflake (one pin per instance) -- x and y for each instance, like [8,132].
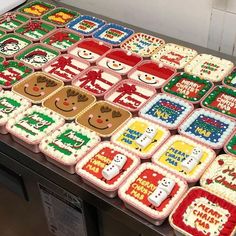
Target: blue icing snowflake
[86,24]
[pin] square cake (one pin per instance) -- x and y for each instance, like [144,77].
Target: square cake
[230,146]
[106,167]
[230,80]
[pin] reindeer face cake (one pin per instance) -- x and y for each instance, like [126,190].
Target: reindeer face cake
[37,87]
[69,101]
[103,118]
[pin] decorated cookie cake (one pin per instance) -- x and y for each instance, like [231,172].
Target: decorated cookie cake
[86,25]
[141,137]
[143,44]
[189,87]
[166,110]
[152,192]
[13,71]
[230,80]
[106,167]
[209,67]
[222,99]
[10,106]
[69,101]
[208,127]
[65,67]
[119,60]
[66,146]
[97,80]
[174,55]
[31,126]
[202,213]
[220,177]
[151,73]
[230,146]
[185,157]
[130,95]
[113,34]
[104,118]
[37,87]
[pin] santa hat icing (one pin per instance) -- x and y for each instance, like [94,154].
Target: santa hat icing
[124,57]
[94,46]
[36,53]
[10,41]
[155,70]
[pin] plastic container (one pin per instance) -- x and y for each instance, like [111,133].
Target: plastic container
[69,101]
[104,118]
[152,73]
[230,146]
[10,106]
[91,168]
[140,136]
[209,67]
[97,80]
[31,126]
[141,185]
[230,80]
[166,110]
[66,146]
[37,87]
[220,179]
[130,95]
[143,44]
[185,157]
[203,213]
[174,55]
[65,67]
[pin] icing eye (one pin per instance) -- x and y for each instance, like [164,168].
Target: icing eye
[35,84]
[65,99]
[114,61]
[90,53]
[99,116]
[145,75]
[119,64]
[107,120]
[84,51]
[73,103]
[42,88]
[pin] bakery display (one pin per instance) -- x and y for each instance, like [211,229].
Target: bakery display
[106,167]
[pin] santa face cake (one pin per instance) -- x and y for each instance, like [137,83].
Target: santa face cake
[97,80]
[31,126]
[230,80]
[106,167]
[208,127]
[113,34]
[13,71]
[119,61]
[230,146]
[35,29]
[189,87]
[166,110]
[11,44]
[142,44]
[130,95]
[37,87]
[86,25]
[65,67]
[209,67]
[60,16]
[11,21]
[151,73]
[141,137]
[89,50]
[184,157]
[174,55]
[152,192]
[62,39]
[222,99]
[37,55]
[220,179]
[201,213]
[10,106]
[69,101]
[103,118]
[36,9]
[66,146]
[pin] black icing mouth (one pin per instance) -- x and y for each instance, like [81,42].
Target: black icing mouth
[84,56]
[89,121]
[61,108]
[107,64]
[33,95]
[145,81]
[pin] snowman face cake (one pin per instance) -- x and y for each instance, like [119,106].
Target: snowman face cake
[69,101]
[36,87]
[119,61]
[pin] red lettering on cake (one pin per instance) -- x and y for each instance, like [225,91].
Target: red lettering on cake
[173,57]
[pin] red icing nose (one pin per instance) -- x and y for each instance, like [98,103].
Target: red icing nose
[99,120]
[66,103]
[35,88]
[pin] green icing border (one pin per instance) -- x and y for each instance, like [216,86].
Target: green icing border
[230,144]
[229,78]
